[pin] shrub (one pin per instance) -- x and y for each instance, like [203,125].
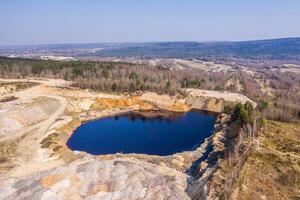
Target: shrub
[133,76]
[262,105]
[243,113]
[262,122]
[114,87]
[228,109]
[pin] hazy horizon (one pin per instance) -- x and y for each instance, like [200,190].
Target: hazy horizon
[91,43]
[34,22]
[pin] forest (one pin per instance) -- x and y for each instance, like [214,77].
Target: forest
[277,93]
[274,49]
[114,76]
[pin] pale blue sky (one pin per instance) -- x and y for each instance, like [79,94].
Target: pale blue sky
[86,21]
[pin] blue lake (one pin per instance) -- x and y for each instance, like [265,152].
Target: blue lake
[153,133]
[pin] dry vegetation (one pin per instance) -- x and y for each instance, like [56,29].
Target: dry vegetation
[277,92]
[115,76]
[272,171]
[8,87]
[281,101]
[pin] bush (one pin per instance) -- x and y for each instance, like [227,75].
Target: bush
[133,76]
[219,88]
[262,105]
[114,87]
[228,109]
[243,113]
[262,122]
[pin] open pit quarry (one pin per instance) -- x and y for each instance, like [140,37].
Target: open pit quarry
[37,119]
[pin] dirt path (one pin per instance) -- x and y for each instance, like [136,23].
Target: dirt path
[33,160]
[29,156]
[48,82]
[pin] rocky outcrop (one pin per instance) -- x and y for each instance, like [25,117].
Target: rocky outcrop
[165,102]
[214,101]
[196,99]
[198,187]
[206,103]
[231,146]
[123,178]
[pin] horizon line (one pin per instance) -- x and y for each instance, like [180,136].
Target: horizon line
[148,42]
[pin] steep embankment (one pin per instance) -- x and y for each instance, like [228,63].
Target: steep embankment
[214,101]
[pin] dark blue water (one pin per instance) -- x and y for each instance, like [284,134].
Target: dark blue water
[153,134]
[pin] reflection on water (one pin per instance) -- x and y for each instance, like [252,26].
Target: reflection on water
[146,132]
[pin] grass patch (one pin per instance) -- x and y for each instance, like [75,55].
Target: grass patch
[272,171]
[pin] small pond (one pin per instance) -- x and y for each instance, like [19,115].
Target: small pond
[151,132]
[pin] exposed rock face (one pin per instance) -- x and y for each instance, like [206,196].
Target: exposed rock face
[126,102]
[198,188]
[100,179]
[206,103]
[165,102]
[214,101]
[231,146]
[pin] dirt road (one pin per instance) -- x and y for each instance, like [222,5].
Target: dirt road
[29,156]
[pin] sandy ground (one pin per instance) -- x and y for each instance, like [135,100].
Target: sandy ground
[181,64]
[31,116]
[48,82]
[30,159]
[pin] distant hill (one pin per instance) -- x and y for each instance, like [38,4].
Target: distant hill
[287,48]
[277,49]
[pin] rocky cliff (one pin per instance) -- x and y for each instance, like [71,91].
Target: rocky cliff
[230,147]
[214,101]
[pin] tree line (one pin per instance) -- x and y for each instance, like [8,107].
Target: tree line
[114,76]
[282,104]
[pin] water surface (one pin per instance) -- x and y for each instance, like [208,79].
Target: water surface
[144,133]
